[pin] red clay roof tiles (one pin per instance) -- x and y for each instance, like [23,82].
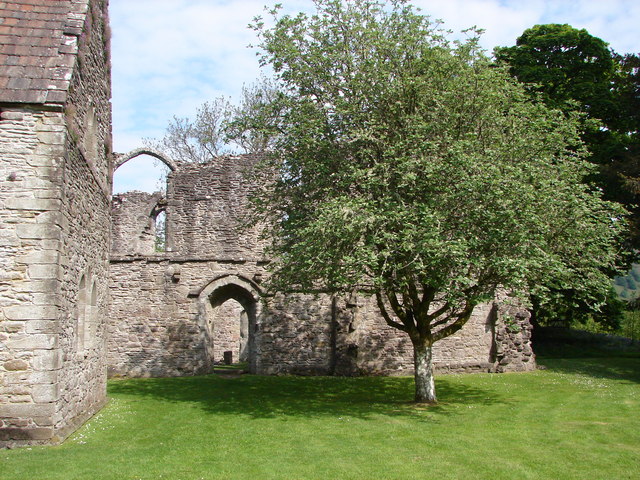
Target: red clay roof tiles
[38,45]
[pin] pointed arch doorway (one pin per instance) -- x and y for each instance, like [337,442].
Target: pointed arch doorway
[230,307]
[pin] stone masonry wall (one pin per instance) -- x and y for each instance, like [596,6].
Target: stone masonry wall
[167,321]
[85,205]
[161,329]
[368,346]
[54,237]
[133,222]
[206,208]
[32,147]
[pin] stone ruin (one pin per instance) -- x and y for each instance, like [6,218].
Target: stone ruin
[86,289]
[175,312]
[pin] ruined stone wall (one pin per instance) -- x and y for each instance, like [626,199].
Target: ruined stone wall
[162,327]
[85,235]
[164,322]
[512,350]
[159,326]
[367,346]
[32,148]
[54,230]
[206,209]
[133,222]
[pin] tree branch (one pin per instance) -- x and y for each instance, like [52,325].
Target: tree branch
[385,314]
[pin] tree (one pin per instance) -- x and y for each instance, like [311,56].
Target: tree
[200,140]
[411,168]
[219,127]
[574,71]
[570,68]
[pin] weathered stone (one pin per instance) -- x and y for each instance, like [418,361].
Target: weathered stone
[13,365]
[54,228]
[31,312]
[38,231]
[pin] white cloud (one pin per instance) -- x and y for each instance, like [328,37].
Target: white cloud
[170,56]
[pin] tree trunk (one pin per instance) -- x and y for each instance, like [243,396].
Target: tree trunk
[423,364]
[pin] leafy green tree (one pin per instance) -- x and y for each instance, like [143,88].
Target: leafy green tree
[574,71]
[410,167]
[569,67]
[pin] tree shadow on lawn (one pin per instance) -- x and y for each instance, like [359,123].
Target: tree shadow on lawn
[269,397]
[624,368]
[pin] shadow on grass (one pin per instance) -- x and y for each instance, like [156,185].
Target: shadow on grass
[268,397]
[613,368]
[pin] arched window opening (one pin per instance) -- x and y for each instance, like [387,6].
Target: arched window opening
[160,231]
[142,173]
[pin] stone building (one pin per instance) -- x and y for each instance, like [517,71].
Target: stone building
[175,312]
[71,256]
[55,190]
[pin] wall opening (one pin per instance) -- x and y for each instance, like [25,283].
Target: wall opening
[231,321]
[142,173]
[81,314]
[159,219]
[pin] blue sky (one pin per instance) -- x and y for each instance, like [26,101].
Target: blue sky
[170,56]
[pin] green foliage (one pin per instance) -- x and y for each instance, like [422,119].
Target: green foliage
[568,308]
[412,167]
[256,427]
[569,67]
[630,327]
[573,70]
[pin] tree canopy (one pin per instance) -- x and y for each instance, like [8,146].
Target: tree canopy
[219,127]
[574,71]
[411,167]
[565,65]
[571,70]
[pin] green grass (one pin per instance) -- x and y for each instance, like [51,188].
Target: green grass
[578,419]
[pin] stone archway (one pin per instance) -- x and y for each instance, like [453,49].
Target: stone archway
[123,158]
[229,312]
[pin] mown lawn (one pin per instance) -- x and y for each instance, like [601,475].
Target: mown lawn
[578,419]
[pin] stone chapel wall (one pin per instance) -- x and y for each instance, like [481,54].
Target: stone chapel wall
[86,201]
[54,236]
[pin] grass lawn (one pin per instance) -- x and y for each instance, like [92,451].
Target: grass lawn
[578,419]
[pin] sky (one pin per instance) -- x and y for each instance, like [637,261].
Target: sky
[170,56]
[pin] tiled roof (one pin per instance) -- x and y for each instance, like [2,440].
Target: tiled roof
[38,45]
